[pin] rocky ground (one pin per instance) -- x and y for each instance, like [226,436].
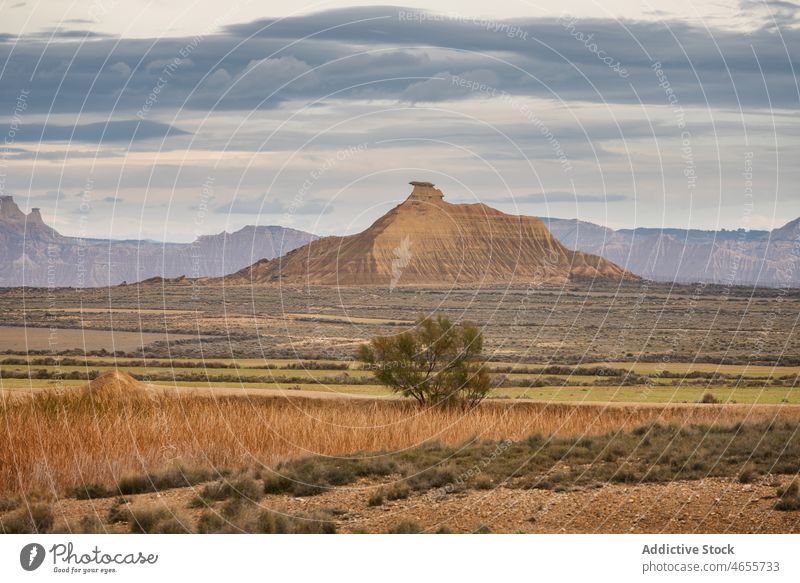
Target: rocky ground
[702,506]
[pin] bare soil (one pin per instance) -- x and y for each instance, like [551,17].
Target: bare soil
[710,505]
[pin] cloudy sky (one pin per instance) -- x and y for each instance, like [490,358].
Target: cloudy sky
[167,120]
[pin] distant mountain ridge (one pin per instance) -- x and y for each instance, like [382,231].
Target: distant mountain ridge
[740,257]
[34,254]
[428,241]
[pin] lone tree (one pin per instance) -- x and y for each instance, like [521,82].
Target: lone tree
[436,363]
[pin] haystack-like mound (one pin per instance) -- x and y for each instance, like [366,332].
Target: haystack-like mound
[115,382]
[428,241]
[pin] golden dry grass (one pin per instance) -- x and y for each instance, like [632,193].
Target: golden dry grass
[49,441]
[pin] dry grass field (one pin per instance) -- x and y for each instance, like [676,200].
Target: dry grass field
[50,442]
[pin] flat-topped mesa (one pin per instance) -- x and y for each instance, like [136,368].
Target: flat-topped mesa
[9,208]
[425,192]
[429,241]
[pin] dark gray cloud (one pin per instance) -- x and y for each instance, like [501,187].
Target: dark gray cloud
[377,53]
[74,34]
[114,131]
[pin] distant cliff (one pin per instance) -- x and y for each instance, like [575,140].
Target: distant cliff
[34,254]
[763,258]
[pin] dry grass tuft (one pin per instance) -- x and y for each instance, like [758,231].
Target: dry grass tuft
[115,383]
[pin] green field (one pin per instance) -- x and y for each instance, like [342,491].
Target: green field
[763,386]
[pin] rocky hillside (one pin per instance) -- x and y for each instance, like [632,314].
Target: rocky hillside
[428,241]
[34,254]
[764,258]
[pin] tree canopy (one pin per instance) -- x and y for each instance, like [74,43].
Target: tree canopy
[436,363]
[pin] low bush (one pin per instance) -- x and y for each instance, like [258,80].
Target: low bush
[198,502]
[248,518]
[89,492]
[154,518]
[406,527]
[118,512]
[34,519]
[240,487]
[171,477]
[396,491]
[90,524]
[274,522]
[709,399]
[210,522]
[748,475]
[789,497]
[310,476]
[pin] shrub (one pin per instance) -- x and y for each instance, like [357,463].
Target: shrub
[148,518]
[406,527]
[144,518]
[272,522]
[171,477]
[311,476]
[377,499]
[248,518]
[34,519]
[118,512]
[432,478]
[134,484]
[210,522]
[276,484]
[241,487]
[748,474]
[171,526]
[90,524]
[438,363]
[198,502]
[89,492]
[709,399]
[393,492]
[792,490]
[484,483]
[789,497]
[232,508]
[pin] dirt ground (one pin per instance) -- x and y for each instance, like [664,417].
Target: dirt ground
[704,506]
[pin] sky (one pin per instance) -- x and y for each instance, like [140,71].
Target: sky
[171,120]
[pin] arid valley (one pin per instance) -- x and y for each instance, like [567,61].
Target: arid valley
[245,399]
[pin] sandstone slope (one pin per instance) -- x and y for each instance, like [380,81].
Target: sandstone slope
[428,241]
